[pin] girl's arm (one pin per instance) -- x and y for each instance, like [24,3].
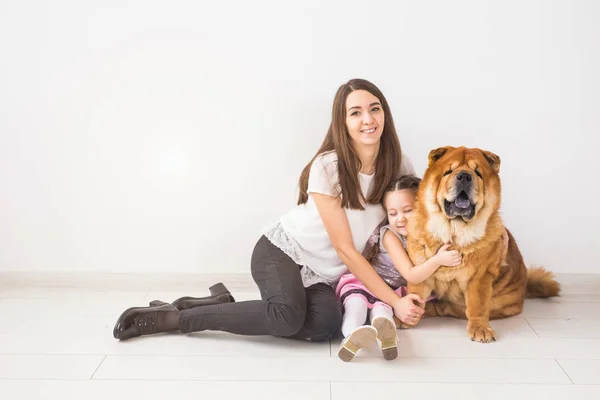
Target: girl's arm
[418,273]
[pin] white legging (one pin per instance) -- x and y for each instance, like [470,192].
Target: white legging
[355,313]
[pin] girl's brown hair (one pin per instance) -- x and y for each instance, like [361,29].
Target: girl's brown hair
[406,182]
[387,164]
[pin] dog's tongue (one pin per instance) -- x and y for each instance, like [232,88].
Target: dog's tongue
[462,201]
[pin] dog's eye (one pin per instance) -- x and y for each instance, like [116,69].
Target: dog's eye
[478,173]
[448,172]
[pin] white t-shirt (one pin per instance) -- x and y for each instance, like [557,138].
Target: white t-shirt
[300,233]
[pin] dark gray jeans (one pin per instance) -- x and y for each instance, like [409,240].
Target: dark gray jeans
[287,309]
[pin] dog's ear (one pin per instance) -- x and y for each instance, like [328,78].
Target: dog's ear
[436,154]
[493,159]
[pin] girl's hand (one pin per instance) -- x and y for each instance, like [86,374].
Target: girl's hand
[448,258]
[406,310]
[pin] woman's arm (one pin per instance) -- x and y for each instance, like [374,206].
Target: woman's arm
[337,226]
[418,273]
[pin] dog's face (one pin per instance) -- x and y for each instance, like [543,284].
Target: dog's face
[461,183]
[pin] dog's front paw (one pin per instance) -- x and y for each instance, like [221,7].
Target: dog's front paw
[404,326]
[400,324]
[482,333]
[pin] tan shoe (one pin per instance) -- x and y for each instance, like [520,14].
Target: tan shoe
[386,333]
[361,338]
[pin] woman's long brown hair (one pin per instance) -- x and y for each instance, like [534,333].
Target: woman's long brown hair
[387,164]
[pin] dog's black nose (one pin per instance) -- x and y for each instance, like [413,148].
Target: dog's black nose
[464,177]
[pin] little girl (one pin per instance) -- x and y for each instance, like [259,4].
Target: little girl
[386,252]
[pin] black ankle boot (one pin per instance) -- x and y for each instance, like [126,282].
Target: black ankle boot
[138,321]
[219,294]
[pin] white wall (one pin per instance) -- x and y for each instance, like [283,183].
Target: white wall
[162,136]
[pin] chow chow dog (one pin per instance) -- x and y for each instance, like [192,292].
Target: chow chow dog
[457,203]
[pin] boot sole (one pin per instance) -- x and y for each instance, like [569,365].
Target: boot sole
[361,338]
[386,333]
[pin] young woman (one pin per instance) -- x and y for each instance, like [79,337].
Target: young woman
[298,260]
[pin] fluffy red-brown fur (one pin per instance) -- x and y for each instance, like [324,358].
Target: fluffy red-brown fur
[492,280]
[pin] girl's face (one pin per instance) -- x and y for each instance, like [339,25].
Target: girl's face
[364,118]
[399,205]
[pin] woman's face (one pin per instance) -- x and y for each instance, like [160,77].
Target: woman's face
[364,118]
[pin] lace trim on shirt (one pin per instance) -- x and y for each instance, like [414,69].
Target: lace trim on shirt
[276,235]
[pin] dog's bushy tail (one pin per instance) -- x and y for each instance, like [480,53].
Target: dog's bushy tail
[541,283]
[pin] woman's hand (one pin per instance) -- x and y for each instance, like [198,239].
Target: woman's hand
[407,311]
[448,258]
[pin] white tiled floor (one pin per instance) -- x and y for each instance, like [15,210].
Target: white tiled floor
[56,343]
